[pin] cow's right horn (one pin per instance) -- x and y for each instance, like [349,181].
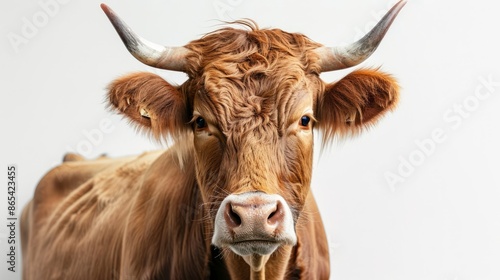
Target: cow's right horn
[149,53]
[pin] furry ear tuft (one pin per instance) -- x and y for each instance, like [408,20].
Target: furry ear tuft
[356,102]
[151,103]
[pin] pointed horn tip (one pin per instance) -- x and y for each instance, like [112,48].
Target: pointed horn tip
[400,4]
[105,8]
[108,11]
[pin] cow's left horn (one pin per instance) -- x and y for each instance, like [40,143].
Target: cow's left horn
[170,58]
[336,58]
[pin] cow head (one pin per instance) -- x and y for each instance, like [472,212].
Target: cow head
[250,105]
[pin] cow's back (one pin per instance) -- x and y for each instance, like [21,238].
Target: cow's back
[74,225]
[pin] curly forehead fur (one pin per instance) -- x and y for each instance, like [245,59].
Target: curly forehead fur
[254,50]
[263,66]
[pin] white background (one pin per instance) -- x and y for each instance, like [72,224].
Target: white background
[440,221]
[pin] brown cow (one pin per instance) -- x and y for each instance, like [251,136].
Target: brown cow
[231,198]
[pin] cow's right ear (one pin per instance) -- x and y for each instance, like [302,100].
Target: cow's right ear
[151,103]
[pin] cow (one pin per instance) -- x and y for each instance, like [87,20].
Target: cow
[231,196]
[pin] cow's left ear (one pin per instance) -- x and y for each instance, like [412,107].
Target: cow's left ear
[151,103]
[355,102]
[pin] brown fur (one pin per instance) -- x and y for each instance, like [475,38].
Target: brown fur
[356,102]
[151,217]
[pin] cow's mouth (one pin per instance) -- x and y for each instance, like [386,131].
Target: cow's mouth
[259,247]
[253,224]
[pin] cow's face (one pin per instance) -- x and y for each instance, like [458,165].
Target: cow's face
[249,107]
[253,112]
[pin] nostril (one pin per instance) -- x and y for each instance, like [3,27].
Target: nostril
[276,215]
[232,218]
[271,216]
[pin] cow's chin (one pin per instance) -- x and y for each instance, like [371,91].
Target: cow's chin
[254,247]
[254,225]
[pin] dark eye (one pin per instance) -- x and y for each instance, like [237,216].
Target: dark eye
[200,123]
[305,120]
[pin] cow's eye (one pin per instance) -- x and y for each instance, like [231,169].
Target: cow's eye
[200,123]
[305,120]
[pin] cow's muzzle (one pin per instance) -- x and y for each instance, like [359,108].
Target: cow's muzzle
[254,223]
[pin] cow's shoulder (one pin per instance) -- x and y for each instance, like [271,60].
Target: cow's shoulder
[166,231]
